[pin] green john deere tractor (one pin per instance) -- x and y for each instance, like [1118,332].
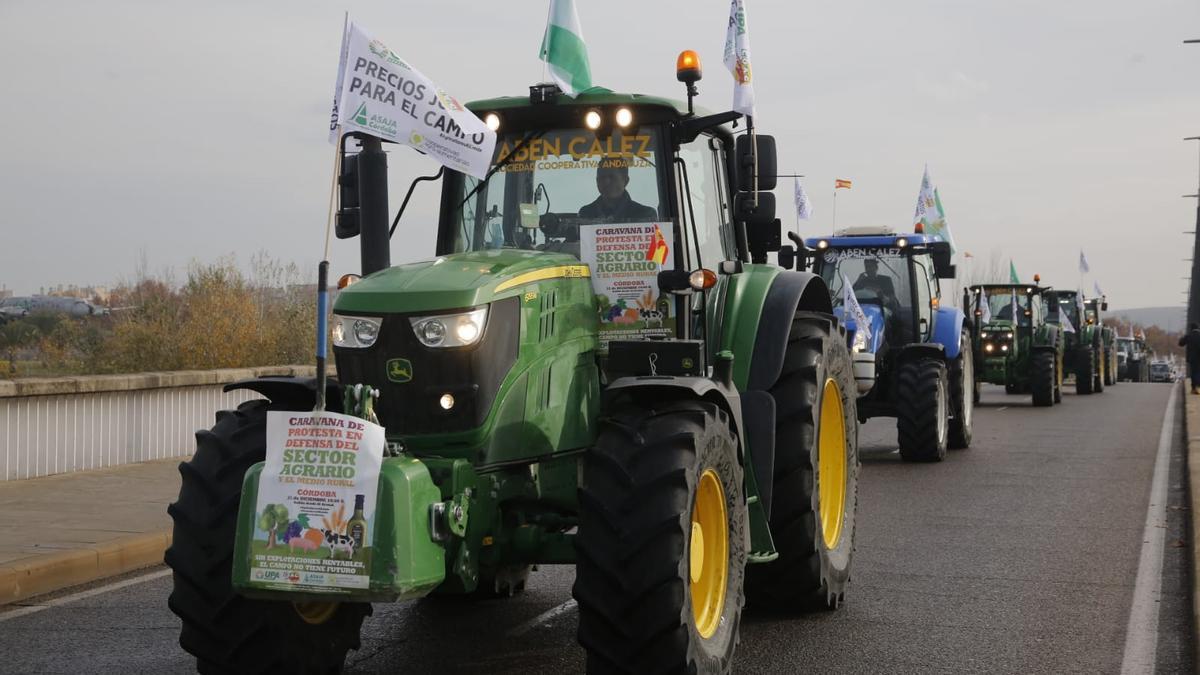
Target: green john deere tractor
[1016,342]
[598,367]
[1083,351]
[1133,359]
[1093,309]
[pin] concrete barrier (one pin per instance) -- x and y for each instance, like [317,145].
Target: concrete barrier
[63,424]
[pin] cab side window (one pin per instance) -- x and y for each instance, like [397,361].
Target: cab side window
[925,295]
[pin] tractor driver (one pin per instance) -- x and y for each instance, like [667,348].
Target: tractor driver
[614,205]
[872,280]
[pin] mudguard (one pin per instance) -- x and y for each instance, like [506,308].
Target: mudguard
[947,328]
[788,292]
[922,350]
[298,393]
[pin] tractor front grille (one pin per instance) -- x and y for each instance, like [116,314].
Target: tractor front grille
[472,375]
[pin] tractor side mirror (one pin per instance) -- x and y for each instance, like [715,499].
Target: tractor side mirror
[940,251]
[347,224]
[1104,307]
[947,272]
[762,238]
[747,148]
[754,208]
[787,257]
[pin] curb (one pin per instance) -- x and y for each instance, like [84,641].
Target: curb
[51,572]
[1191,425]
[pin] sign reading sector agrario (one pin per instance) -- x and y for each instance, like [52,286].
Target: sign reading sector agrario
[625,260]
[316,503]
[382,95]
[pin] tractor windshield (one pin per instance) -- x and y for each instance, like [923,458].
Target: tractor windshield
[1124,345]
[552,182]
[879,276]
[1002,303]
[1068,306]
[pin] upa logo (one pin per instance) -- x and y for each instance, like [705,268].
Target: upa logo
[415,139]
[399,370]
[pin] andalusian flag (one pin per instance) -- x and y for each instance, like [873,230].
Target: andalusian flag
[929,211]
[1012,273]
[564,51]
[841,184]
[657,250]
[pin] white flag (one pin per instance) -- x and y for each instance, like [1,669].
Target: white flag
[985,308]
[1066,322]
[803,207]
[1083,266]
[1096,287]
[852,310]
[564,50]
[1014,308]
[737,58]
[929,211]
[384,96]
[341,75]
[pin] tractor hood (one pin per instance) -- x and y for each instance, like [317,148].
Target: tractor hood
[455,281]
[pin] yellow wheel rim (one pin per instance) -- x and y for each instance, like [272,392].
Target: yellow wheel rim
[708,554]
[315,613]
[831,453]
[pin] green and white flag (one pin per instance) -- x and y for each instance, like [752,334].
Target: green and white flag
[1012,273]
[930,212]
[737,58]
[564,50]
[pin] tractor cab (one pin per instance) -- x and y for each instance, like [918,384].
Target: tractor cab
[895,278]
[1006,314]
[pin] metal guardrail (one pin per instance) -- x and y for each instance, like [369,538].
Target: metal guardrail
[59,425]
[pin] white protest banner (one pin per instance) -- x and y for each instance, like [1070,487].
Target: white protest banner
[316,503]
[737,58]
[625,260]
[341,72]
[803,206]
[852,310]
[985,308]
[384,96]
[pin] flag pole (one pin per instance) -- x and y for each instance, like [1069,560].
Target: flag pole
[834,227]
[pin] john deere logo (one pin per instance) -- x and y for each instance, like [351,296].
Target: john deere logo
[360,115]
[399,370]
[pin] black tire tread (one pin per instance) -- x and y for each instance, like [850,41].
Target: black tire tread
[917,383]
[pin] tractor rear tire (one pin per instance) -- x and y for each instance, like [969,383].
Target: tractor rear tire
[962,388]
[663,478]
[1044,379]
[922,410]
[810,571]
[1101,371]
[226,632]
[1085,373]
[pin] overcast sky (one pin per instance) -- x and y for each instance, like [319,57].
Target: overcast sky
[189,131]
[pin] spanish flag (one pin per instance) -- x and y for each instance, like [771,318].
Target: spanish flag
[658,247]
[840,183]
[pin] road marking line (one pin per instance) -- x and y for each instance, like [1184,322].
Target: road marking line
[75,597]
[542,618]
[1002,408]
[1141,633]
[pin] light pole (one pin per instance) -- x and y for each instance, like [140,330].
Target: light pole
[1193,304]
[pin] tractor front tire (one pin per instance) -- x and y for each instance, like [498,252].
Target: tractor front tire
[815,487]
[1085,373]
[922,410]
[962,387]
[1101,373]
[226,632]
[1044,379]
[662,541]
[1058,377]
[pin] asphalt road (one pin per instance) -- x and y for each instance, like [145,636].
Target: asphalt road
[1017,555]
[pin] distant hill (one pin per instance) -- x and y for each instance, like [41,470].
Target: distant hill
[1170,319]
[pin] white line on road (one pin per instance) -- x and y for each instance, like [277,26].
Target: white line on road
[75,597]
[542,618]
[1141,633]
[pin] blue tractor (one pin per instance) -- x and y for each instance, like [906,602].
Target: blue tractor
[917,363]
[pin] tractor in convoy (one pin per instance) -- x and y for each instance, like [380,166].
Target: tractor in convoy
[914,361]
[1093,309]
[1133,359]
[1083,349]
[595,367]
[1017,342]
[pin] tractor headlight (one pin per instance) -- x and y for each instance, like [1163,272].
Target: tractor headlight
[1009,335]
[450,330]
[989,347]
[355,331]
[860,341]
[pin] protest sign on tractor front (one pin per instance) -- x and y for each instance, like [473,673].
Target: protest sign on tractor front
[316,503]
[625,260]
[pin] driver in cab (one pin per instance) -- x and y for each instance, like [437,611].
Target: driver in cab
[872,280]
[614,205]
